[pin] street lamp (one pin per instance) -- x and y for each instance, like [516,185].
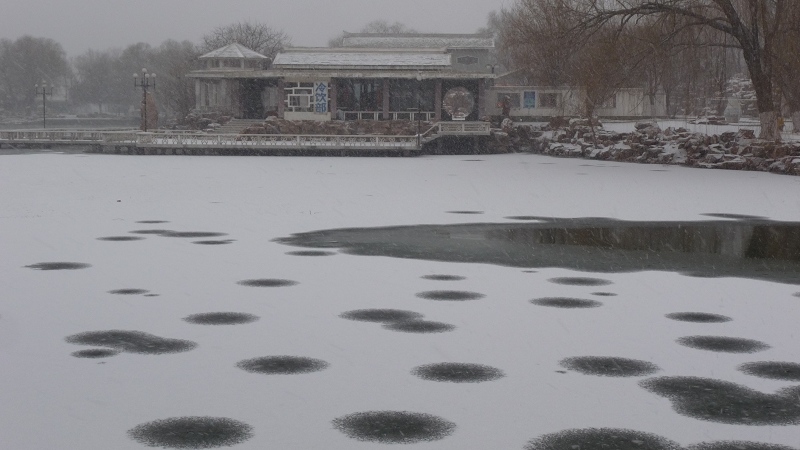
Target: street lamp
[45,91]
[148,80]
[419,110]
[492,67]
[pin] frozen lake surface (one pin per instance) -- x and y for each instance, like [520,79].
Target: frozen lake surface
[187,302]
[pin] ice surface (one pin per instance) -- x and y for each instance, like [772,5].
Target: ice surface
[53,208]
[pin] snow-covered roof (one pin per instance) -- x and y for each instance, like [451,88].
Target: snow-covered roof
[361,59]
[235,50]
[418,40]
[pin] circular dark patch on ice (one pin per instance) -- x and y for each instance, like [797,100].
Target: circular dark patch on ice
[698,317]
[796,294]
[221,318]
[450,295]
[120,238]
[151,295]
[774,370]
[566,302]
[282,365]
[191,432]
[607,366]
[95,353]
[380,315]
[59,266]
[604,294]
[734,216]
[723,344]
[473,160]
[227,241]
[601,439]
[131,342]
[152,221]
[737,445]
[458,372]
[530,271]
[128,291]
[420,326]
[580,281]
[160,232]
[465,212]
[525,218]
[192,234]
[726,402]
[311,253]
[394,427]
[439,277]
[267,282]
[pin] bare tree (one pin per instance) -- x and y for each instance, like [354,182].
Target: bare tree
[787,67]
[25,62]
[256,36]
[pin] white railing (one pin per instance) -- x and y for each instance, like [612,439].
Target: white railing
[273,141]
[464,128]
[393,115]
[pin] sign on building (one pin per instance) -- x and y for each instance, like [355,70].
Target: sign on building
[320,97]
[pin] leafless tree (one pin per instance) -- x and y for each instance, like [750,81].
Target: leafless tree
[23,63]
[256,36]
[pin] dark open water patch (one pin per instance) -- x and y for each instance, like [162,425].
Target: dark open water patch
[453,296]
[796,294]
[601,439]
[420,326]
[152,295]
[381,315]
[458,372]
[128,291]
[465,212]
[604,294]
[774,370]
[282,365]
[607,366]
[566,302]
[131,342]
[120,238]
[737,445]
[698,317]
[311,253]
[394,427]
[224,242]
[152,221]
[440,277]
[723,344]
[734,216]
[59,266]
[759,249]
[192,432]
[158,232]
[267,282]
[193,234]
[95,353]
[726,402]
[580,281]
[525,218]
[221,318]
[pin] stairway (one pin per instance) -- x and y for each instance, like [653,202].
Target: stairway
[235,126]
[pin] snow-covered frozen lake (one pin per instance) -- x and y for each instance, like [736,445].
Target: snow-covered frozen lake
[532,381]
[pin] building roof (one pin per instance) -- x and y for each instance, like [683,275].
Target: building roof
[375,40]
[234,51]
[361,59]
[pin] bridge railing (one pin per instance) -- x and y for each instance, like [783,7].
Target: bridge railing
[464,128]
[262,140]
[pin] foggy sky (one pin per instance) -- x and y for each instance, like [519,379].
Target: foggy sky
[101,24]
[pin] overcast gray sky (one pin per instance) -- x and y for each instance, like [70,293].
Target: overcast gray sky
[99,24]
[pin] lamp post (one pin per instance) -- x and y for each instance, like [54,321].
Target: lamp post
[492,67]
[44,91]
[148,80]
[419,110]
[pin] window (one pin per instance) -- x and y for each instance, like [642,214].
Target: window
[549,100]
[467,60]
[610,102]
[299,96]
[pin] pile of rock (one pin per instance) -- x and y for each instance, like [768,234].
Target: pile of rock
[205,120]
[274,125]
[649,144]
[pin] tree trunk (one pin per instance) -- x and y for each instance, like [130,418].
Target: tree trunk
[795,121]
[769,126]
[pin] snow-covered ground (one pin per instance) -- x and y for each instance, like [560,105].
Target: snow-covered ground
[54,207]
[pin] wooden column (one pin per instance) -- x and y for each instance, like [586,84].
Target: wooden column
[437,102]
[281,99]
[480,100]
[386,99]
[199,100]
